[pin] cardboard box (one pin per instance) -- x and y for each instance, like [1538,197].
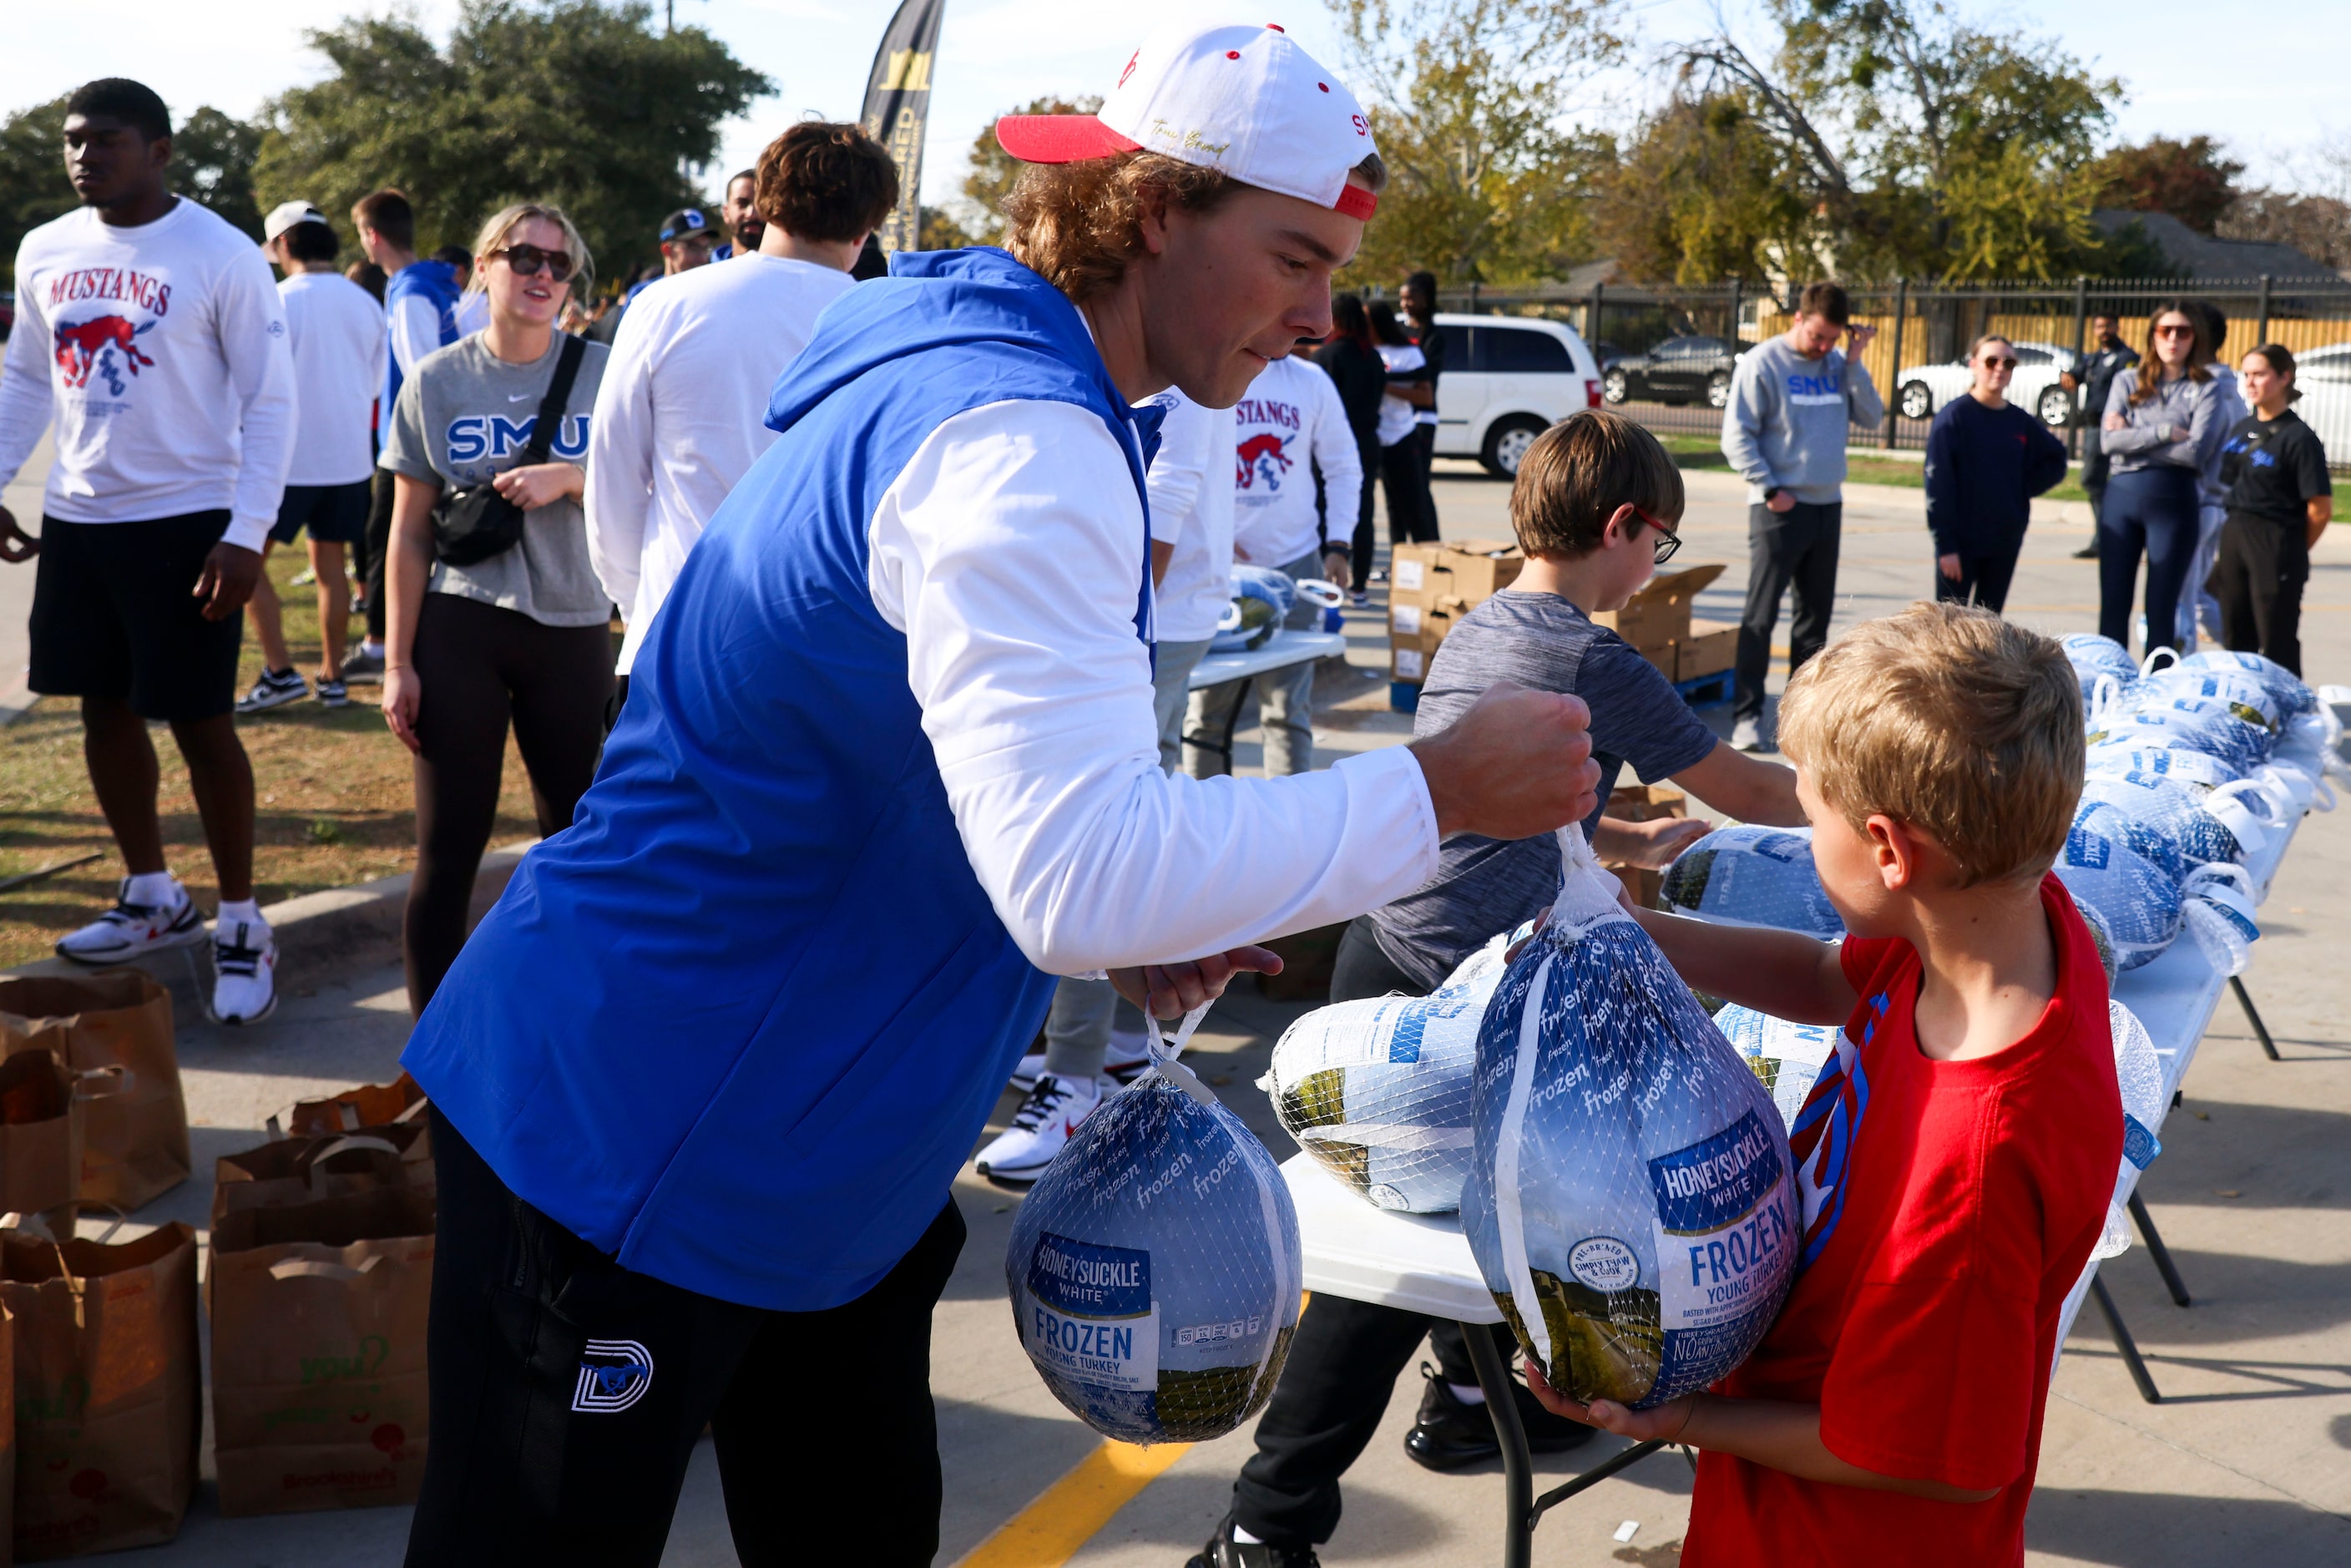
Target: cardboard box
[1420,630]
[1471,570]
[1407,663]
[1646,887]
[1659,615]
[1709,648]
[1643,803]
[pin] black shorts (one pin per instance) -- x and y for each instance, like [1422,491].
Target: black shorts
[335,513]
[115,616]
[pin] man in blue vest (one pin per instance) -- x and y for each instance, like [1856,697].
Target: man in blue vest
[702,1078]
[420,307]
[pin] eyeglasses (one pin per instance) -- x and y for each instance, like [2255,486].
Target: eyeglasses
[526,260]
[1992,364]
[1666,541]
[2175,331]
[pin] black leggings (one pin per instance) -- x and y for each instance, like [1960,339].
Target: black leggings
[2151,510]
[480,666]
[1408,519]
[1361,546]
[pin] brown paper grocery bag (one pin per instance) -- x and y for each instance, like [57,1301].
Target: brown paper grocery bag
[40,1132]
[317,1189]
[106,1368]
[135,1143]
[354,1110]
[7,1436]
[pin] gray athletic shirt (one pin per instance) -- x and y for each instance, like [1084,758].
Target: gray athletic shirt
[463,416]
[1483,886]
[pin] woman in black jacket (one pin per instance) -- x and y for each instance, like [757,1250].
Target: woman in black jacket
[1352,357]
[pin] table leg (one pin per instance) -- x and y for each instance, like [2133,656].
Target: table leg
[2156,1248]
[1518,1464]
[2261,1029]
[2124,1342]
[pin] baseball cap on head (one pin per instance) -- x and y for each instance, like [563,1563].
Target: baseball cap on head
[285,215]
[686,221]
[1246,101]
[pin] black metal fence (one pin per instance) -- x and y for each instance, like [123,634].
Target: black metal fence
[1923,335]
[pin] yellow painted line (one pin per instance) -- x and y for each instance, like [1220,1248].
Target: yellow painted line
[1068,1514]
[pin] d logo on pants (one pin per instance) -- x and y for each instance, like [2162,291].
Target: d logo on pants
[613,1374]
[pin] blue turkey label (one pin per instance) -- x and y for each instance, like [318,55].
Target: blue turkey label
[1785,848]
[1726,1228]
[2140,1145]
[1709,1185]
[2088,850]
[1090,1317]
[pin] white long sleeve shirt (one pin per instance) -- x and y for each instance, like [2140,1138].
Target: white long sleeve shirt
[1009,550]
[682,415]
[160,350]
[1192,511]
[336,332]
[1290,416]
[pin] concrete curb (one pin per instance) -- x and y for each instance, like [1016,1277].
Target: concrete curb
[338,930]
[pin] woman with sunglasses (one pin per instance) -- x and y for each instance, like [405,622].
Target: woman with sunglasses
[2163,426]
[1986,459]
[522,635]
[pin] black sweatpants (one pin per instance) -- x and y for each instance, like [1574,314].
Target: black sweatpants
[1409,522]
[1983,578]
[378,544]
[1360,546]
[1795,549]
[1423,444]
[481,666]
[2258,578]
[1345,1357]
[568,1394]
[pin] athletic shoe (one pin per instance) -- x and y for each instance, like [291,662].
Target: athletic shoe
[1040,1129]
[1746,735]
[333,694]
[304,578]
[1361,597]
[1126,1060]
[244,973]
[1224,1552]
[129,929]
[1451,1433]
[360,666]
[275,689]
[1379,574]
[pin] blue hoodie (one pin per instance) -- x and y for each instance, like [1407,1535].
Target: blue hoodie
[741,1023]
[436,282]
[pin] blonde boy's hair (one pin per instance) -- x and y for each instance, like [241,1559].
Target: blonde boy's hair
[1950,720]
[1577,473]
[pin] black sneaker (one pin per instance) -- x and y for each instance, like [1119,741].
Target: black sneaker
[2088,551]
[275,689]
[333,693]
[359,665]
[1224,1552]
[1450,1434]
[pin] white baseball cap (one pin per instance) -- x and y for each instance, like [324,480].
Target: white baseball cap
[285,215]
[1245,100]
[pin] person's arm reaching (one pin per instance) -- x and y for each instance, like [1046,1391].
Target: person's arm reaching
[1742,422]
[1781,973]
[618,495]
[1008,550]
[1744,788]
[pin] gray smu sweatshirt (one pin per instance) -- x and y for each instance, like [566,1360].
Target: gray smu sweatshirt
[1786,423]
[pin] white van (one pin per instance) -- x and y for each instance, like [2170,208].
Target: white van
[1507,380]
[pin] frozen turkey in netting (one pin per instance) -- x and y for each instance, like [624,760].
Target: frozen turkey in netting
[1153,1269]
[2181,828]
[2099,661]
[2229,731]
[1753,876]
[1378,1089]
[1785,1057]
[2251,697]
[1631,1203]
[2138,909]
[2292,696]
[2177,763]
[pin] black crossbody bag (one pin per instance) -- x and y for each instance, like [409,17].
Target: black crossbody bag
[476,522]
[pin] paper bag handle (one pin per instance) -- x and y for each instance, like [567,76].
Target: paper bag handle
[317,1162]
[118,1078]
[319,1268]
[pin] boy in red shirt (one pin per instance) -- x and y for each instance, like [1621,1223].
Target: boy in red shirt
[1956,1154]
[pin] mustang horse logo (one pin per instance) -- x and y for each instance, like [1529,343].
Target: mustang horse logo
[83,348]
[1261,456]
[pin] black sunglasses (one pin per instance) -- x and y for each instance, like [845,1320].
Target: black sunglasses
[526,260]
[1990,364]
[1665,544]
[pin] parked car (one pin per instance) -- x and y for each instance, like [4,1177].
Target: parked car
[1924,389]
[1677,370]
[1507,380]
[2322,376]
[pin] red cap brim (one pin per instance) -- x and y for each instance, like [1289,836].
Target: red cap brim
[1060,138]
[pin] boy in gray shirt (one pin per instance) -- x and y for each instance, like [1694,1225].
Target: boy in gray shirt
[1792,400]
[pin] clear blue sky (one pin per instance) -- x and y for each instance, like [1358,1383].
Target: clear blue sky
[2268,80]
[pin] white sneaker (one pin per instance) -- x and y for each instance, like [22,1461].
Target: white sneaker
[1746,735]
[1040,1129]
[129,929]
[1126,1060]
[244,973]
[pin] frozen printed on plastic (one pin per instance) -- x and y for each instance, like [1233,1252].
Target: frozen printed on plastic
[1753,876]
[1631,1201]
[2292,696]
[1786,1058]
[1153,1269]
[1378,1091]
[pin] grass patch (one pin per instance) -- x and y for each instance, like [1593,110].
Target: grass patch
[335,799]
[1700,452]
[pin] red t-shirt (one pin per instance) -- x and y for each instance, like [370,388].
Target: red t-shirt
[1949,1209]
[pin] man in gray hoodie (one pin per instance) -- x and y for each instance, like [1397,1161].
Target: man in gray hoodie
[1792,400]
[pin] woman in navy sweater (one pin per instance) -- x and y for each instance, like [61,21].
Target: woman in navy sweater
[1985,462]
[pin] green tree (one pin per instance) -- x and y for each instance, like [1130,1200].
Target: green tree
[993,172]
[1700,194]
[1925,144]
[579,102]
[1468,100]
[940,231]
[2193,180]
[211,164]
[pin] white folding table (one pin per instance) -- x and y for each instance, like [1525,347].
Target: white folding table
[1287,647]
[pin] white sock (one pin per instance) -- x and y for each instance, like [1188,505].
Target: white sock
[1245,1538]
[1467,1393]
[244,909]
[371,648]
[156,888]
